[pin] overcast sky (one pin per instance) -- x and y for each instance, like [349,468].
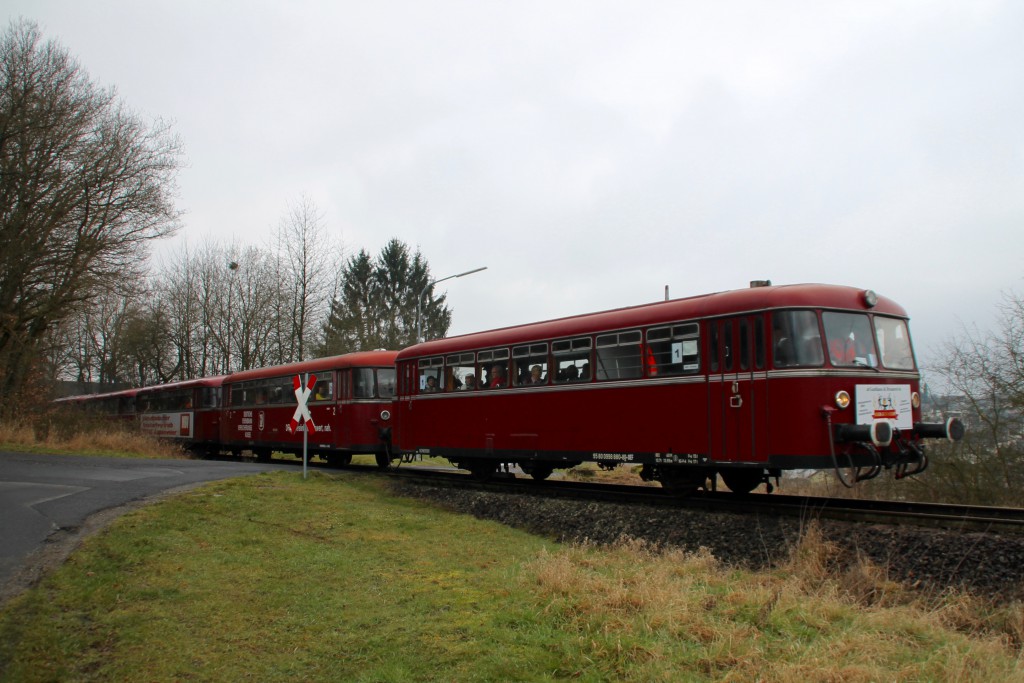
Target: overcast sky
[591,153]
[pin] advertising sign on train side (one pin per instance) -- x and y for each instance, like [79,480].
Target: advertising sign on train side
[168,425]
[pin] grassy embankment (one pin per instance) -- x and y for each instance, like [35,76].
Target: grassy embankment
[275,578]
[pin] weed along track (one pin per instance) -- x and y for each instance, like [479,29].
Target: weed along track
[930,560]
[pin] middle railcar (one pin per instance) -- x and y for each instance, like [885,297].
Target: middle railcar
[351,405]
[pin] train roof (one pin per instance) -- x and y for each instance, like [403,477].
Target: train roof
[703,306]
[215,381]
[348,360]
[122,393]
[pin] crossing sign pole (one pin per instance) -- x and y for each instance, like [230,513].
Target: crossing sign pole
[302,391]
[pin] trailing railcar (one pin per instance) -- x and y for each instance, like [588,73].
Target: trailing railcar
[350,403]
[744,384]
[188,412]
[118,406]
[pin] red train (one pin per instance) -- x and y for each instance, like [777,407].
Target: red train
[744,384]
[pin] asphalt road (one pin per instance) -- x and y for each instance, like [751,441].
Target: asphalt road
[48,503]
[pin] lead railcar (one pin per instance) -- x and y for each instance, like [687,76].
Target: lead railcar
[743,384]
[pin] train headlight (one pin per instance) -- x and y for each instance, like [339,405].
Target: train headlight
[842,400]
[915,400]
[870,298]
[385,415]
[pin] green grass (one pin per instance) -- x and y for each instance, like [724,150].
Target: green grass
[275,578]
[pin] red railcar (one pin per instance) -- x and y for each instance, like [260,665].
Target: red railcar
[350,403]
[118,406]
[188,412]
[744,383]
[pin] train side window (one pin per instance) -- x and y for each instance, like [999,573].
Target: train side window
[323,390]
[282,391]
[572,360]
[727,342]
[530,364]
[759,347]
[744,344]
[493,368]
[796,339]
[618,355]
[460,372]
[430,374]
[673,350]
[715,351]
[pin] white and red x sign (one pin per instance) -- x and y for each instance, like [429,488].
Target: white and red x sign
[302,395]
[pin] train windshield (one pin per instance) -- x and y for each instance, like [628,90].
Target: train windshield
[386,380]
[373,382]
[850,342]
[894,341]
[796,339]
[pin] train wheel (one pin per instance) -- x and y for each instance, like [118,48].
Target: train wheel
[482,469]
[383,460]
[742,481]
[541,472]
[339,459]
[682,481]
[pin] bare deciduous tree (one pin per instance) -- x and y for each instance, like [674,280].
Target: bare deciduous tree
[85,185]
[984,376]
[306,257]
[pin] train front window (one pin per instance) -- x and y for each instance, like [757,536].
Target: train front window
[850,343]
[386,381]
[894,340]
[363,383]
[210,397]
[796,340]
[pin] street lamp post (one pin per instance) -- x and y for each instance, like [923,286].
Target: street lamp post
[233,267]
[419,299]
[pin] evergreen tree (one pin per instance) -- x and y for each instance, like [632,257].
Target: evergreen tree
[377,305]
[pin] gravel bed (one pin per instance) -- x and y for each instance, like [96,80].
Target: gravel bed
[988,565]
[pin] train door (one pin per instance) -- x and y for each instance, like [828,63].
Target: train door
[738,389]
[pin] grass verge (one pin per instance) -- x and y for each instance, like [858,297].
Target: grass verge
[275,578]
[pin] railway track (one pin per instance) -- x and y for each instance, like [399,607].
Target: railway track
[966,518]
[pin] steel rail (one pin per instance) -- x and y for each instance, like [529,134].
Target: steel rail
[973,518]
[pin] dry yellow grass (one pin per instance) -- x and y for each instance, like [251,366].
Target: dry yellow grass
[809,619]
[74,433]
